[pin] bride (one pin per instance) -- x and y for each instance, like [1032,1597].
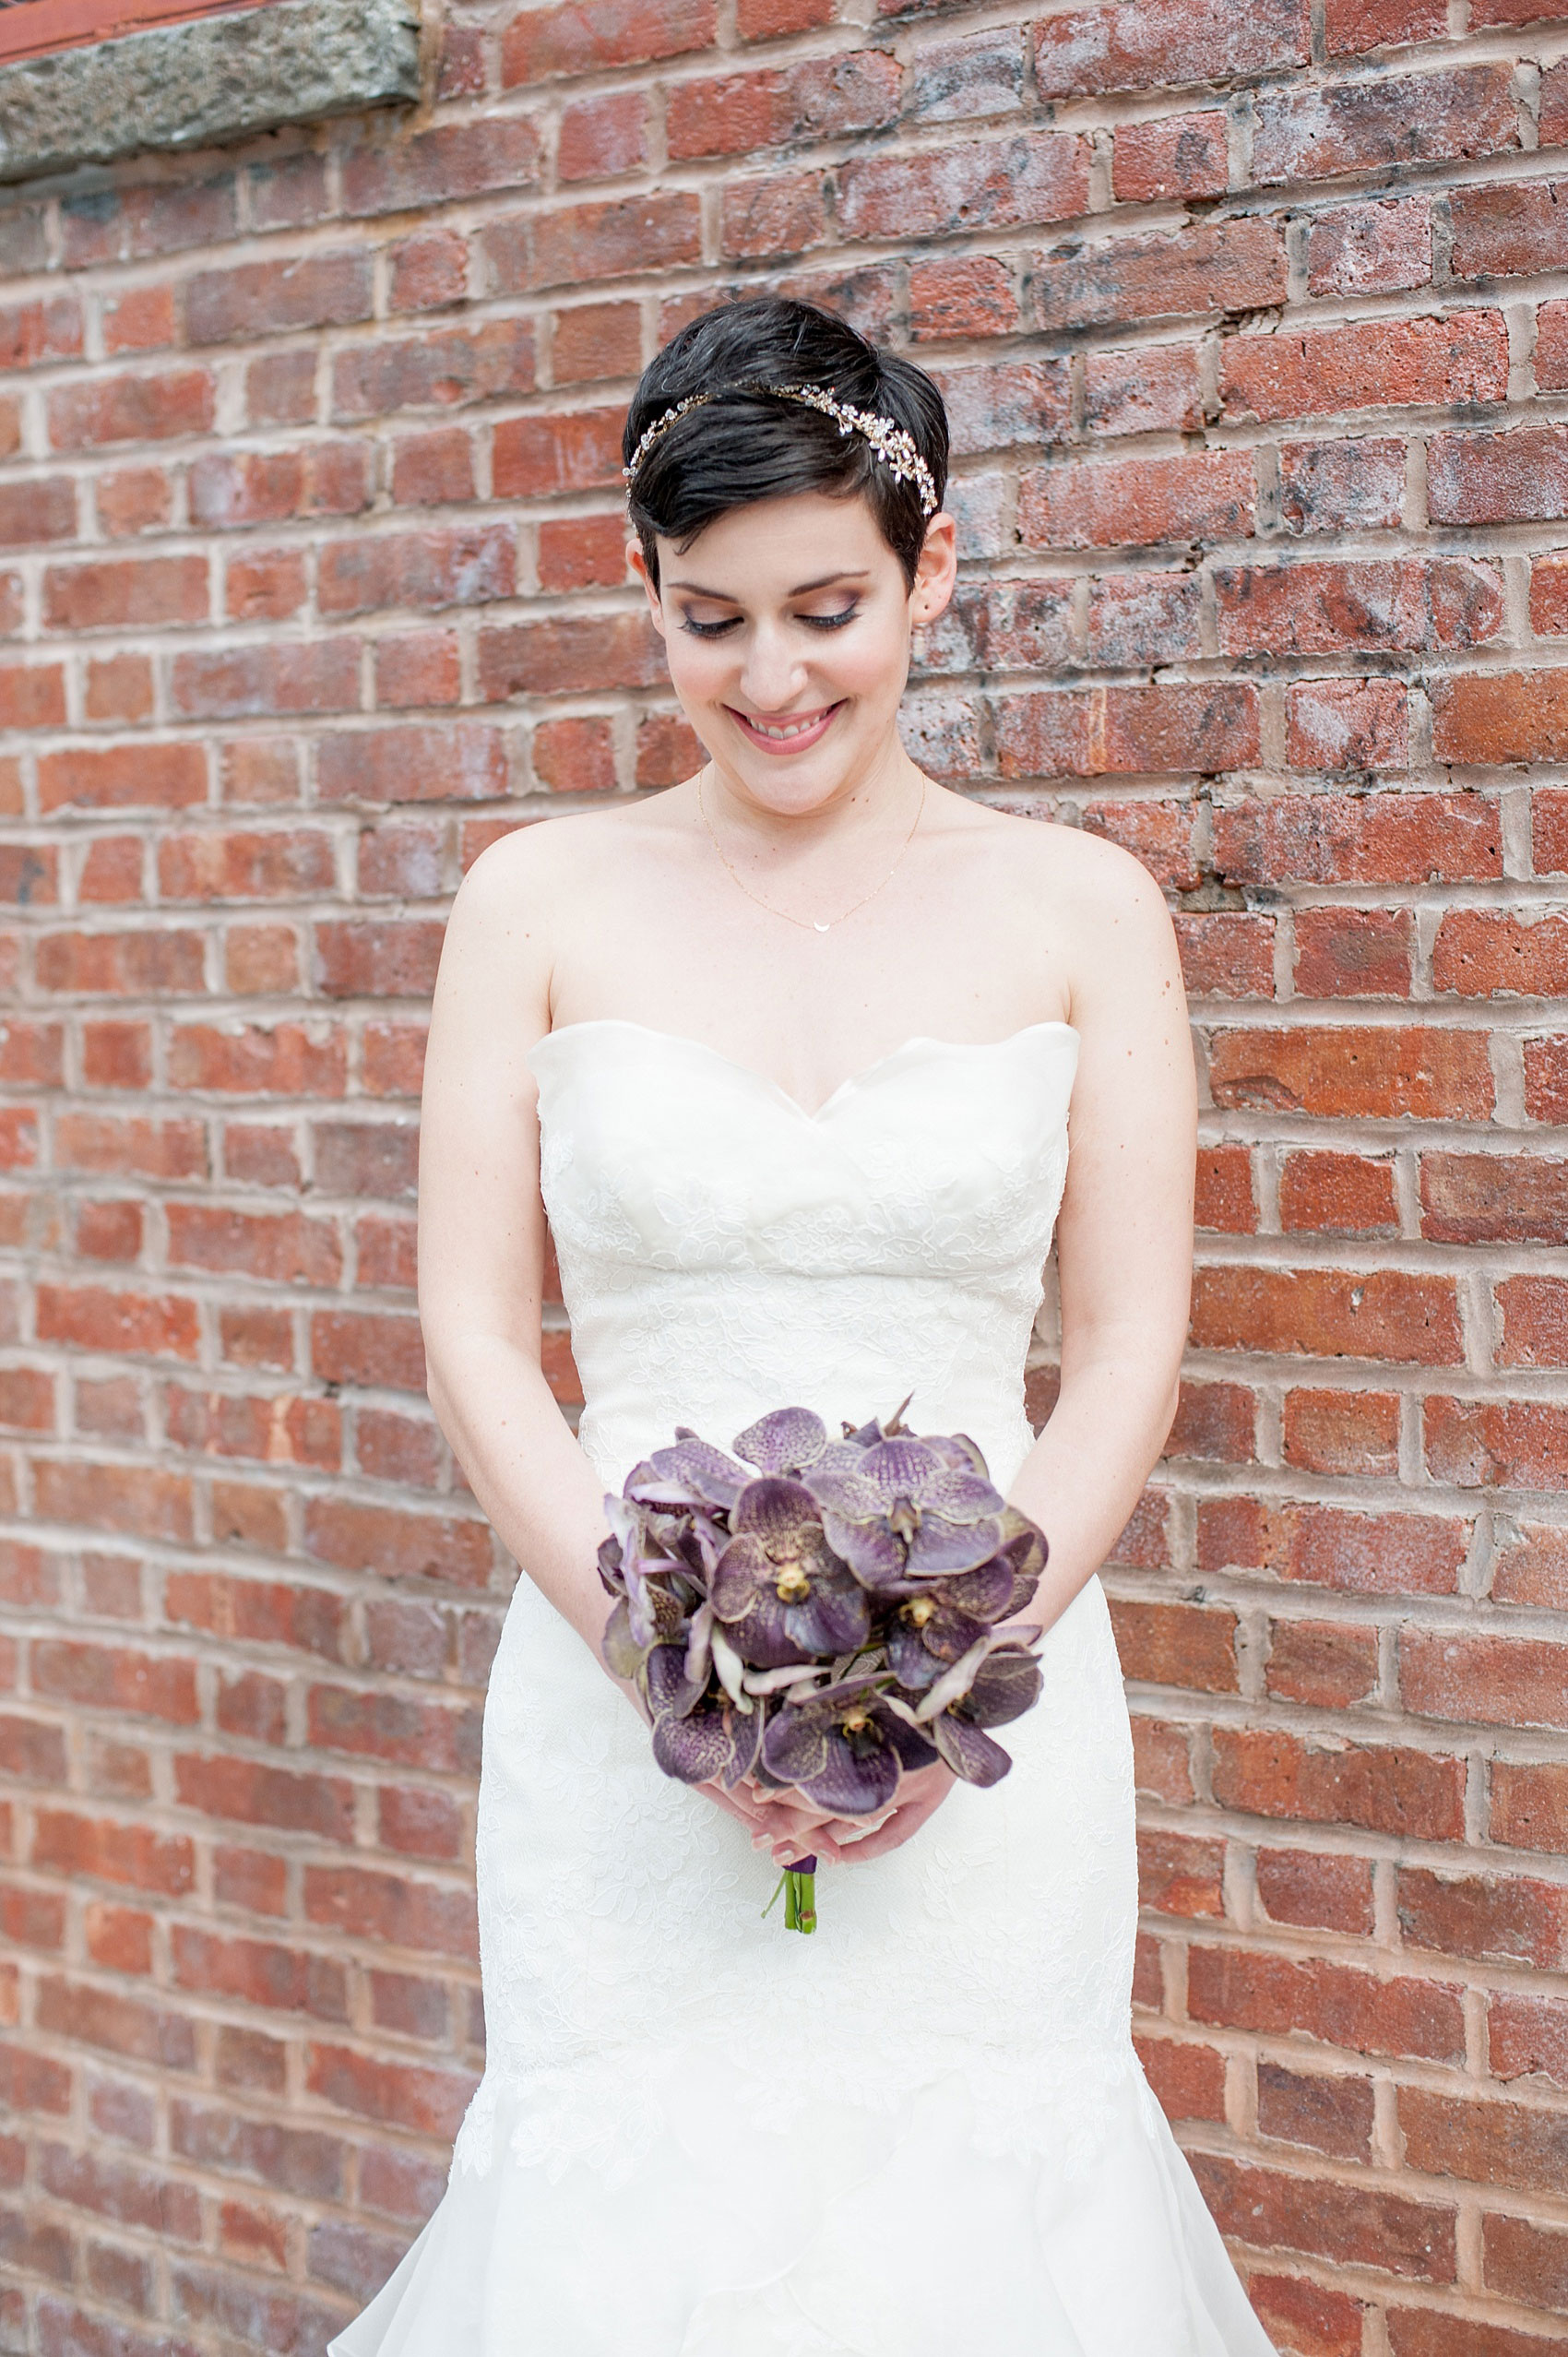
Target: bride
[786,1054]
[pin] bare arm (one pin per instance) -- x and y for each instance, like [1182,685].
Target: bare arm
[1125,1238]
[481,1238]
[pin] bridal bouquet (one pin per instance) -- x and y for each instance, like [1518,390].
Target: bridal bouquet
[821,1614]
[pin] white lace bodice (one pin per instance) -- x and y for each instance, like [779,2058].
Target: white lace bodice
[722,1251]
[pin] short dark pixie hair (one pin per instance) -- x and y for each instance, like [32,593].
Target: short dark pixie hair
[742,447]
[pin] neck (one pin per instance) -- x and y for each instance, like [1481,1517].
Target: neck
[879,797]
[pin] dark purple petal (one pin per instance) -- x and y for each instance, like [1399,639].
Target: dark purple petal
[1008,1683]
[761,1636]
[968,1751]
[908,1657]
[840,1488]
[738,1577]
[782,1442]
[986,1593]
[670,1692]
[942,1546]
[697,1747]
[899,1469]
[836,1618]
[860,1774]
[872,1551]
[795,1743]
[908,1742]
[962,1497]
[700,1647]
[610,1571]
[949,1634]
[779,1511]
[714,1476]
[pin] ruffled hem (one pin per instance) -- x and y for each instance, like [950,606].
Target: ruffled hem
[842,2232]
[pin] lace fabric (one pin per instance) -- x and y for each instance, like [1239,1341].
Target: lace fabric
[655,2045]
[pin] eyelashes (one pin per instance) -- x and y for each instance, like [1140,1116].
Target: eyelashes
[810,620]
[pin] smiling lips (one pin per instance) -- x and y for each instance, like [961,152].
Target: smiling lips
[791,735]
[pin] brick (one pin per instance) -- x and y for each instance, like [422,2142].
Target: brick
[999,183]
[1379,248]
[153,407]
[442,368]
[1535,1322]
[1129,48]
[1497,1918]
[1211,267]
[568,656]
[1302,134]
[428,271]
[231,490]
[1551,345]
[593,340]
[1354,26]
[774,213]
[39,510]
[1515,1444]
[584,35]
[1483,953]
[1127,730]
[1548,599]
[1501,716]
[1316,1888]
[1342,486]
[1508,230]
[1383,1788]
[1318,609]
[1383,1073]
[1177,1645]
[316,290]
[956,81]
[1185,155]
[432,469]
[1498,478]
[823,98]
[1529,2262]
[1154,389]
[283,677]
[1342,1431]
[1367,838]
[601,138]
[610,239]
[453,161]
[139,775]
[461,565]
[1488,2143]
[1461,357]
[1306,2316]
[1356,2225]
[1348,724]
[974,296]
[567,450]
[1188,2079]
[1354,953]
[1136,502]
[1332,1546]
[1424,2332]
[1326,1664]
[1320,2112]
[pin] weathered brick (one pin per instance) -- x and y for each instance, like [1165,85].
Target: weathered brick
[1461,356]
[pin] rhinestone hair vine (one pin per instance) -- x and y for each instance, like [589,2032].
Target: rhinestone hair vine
[893,444]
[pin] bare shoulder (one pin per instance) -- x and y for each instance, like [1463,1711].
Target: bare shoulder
[522,887]
[1082,881]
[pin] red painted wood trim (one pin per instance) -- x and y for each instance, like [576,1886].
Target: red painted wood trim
[34,28]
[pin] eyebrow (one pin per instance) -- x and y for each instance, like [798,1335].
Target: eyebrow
[723,597]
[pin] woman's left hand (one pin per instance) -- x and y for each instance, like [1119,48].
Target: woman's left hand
[921,1792]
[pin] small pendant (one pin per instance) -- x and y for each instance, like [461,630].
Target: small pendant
[823,928]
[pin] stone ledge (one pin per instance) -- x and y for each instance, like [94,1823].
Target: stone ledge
[216,78]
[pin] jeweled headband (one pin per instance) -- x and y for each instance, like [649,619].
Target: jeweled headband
[893,444]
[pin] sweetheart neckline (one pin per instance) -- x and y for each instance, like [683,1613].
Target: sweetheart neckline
[853,1081]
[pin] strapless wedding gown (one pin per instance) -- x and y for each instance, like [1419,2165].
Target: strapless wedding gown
[922,2131]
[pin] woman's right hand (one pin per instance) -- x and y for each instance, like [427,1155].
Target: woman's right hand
[783,1822]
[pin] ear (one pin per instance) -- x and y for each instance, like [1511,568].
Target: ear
[936,570]
[637,563]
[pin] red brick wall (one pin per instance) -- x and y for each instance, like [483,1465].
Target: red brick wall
[1256,338]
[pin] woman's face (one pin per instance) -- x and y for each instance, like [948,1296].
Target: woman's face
[786,628]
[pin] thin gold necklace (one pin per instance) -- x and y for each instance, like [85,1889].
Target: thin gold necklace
[811,924]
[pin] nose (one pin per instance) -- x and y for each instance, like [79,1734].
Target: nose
[772,672]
